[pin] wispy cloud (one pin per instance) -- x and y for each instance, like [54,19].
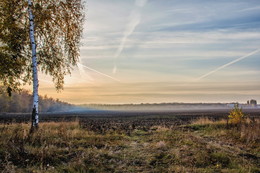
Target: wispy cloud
[250,9]
[45,81]
[158,92]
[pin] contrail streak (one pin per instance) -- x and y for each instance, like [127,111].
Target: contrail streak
[135,18]
[103,74]
[82,72]
[228,64]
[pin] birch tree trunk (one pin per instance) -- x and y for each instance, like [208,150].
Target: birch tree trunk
[35,117]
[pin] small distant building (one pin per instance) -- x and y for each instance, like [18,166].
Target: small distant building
[252,102]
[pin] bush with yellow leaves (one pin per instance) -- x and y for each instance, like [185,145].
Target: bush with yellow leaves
[236,115]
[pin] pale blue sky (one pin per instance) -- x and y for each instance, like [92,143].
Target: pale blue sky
[158,48]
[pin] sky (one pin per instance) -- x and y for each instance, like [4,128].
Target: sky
[153,51]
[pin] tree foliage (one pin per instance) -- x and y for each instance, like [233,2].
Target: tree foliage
[22,102]
[58,29]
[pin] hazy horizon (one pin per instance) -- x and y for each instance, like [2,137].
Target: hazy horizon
[146,51]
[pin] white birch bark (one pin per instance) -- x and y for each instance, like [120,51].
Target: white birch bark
[35,117]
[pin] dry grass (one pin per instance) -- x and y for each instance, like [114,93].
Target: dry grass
[68,147]
[160,128]
[247,131]
[250,131]
[161,144]
[207,121]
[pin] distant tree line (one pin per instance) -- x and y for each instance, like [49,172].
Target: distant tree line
[22,102]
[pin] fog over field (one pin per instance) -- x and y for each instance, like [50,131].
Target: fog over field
[173,107]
